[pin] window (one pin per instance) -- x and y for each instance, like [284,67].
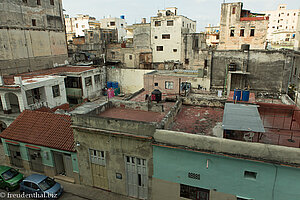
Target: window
[182,24]
[170,23]
[76,25]
[112,23]
[155,84]
[186,61]
[97,157]
[233,10]
[27,184]
[194,176]
[34,186]
[52,2]
[155,37]
[250,175]
[113,54]
[88,81]
[242,32]
[38,2]
[159,48]
[252,31]
[288,14]
[55,91]
[169,85]
[157,23]
[33,22]
[174,50]
[165,36]
[83,26]
[130,57]
[97,78]
[191,192]
[24,1]
[232,33]
[36,93]
[122,25]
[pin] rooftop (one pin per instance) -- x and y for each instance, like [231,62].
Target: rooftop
[198,120]
[43,129]
[134,115]
[46,73]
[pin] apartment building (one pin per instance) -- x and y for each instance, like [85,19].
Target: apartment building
[75,26]
[32,35]
[212,35]
[119,24]
[167,29]
[282,26]
[239,26]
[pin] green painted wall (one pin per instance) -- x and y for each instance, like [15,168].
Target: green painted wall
[46,161]
[227,174]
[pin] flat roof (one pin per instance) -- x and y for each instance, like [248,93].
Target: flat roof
[46,73]
[134,115]
[242,117]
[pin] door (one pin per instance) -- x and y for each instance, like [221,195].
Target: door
[136,177]
[59,163]
[68,165]
[36,163]
[15,155]
[98,165]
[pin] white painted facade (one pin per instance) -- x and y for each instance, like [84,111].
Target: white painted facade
[22,89]
[75,26]
[167,30]
[95,88]
[115,23]
[282,25]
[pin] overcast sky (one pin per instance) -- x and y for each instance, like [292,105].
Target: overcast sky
[203,11]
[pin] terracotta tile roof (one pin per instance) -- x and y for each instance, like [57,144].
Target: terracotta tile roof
[9,80]
[43,129]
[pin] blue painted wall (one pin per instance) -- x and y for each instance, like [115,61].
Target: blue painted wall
[226,174]
[46,161]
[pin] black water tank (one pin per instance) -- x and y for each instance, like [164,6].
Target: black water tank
[156,95]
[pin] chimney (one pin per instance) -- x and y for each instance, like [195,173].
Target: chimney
[144,20]
[18,80]
[1,81]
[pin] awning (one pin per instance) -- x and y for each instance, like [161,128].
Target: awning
[242,117]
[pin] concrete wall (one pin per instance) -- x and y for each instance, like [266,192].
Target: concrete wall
[163,77]
[269,70]
[27,47]
[120,125]
[115,148]
[130,80]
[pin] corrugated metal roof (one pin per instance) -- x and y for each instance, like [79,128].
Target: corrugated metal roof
[242,117]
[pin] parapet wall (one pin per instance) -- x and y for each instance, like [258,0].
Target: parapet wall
[254,151]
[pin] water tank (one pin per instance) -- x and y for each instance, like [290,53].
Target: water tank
[245,47]
[109,84]
[156,95]
[237,94]
[122,16]
[245,95]
[115,84]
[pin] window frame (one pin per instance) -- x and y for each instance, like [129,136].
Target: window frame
[52,2]
[242,32]
[157,23]
[55,91]
[170,22]
[88,81]
[159,48]
[169,85]
[97,157]
[166,36]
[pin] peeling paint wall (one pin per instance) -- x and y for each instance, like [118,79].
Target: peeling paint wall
[32,36]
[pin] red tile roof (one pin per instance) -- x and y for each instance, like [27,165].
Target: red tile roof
[9,80]
[43,129]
